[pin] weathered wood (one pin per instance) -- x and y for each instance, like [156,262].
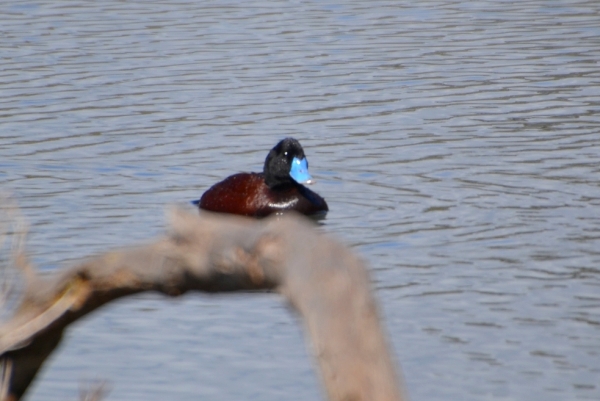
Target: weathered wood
[325,282]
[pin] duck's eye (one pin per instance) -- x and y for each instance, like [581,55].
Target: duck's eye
[285,153]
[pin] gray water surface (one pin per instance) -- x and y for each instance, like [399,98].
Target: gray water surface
[457,144]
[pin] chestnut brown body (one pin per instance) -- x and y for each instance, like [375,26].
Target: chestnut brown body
[247,194]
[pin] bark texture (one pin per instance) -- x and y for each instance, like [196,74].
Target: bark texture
[324,281]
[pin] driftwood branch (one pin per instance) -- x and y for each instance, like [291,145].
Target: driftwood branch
[326,283]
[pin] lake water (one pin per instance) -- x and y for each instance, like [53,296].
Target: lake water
[456,142]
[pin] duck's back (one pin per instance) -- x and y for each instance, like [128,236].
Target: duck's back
[247,194]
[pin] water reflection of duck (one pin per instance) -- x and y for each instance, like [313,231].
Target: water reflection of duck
[278,188]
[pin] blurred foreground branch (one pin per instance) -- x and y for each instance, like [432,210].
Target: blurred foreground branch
[324,281]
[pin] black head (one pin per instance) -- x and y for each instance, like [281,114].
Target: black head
[286,164]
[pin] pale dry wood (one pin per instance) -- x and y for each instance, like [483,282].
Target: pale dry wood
[325,282]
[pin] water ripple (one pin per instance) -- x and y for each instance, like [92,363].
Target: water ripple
[456,143]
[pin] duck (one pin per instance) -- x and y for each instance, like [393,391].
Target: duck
[277,189]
